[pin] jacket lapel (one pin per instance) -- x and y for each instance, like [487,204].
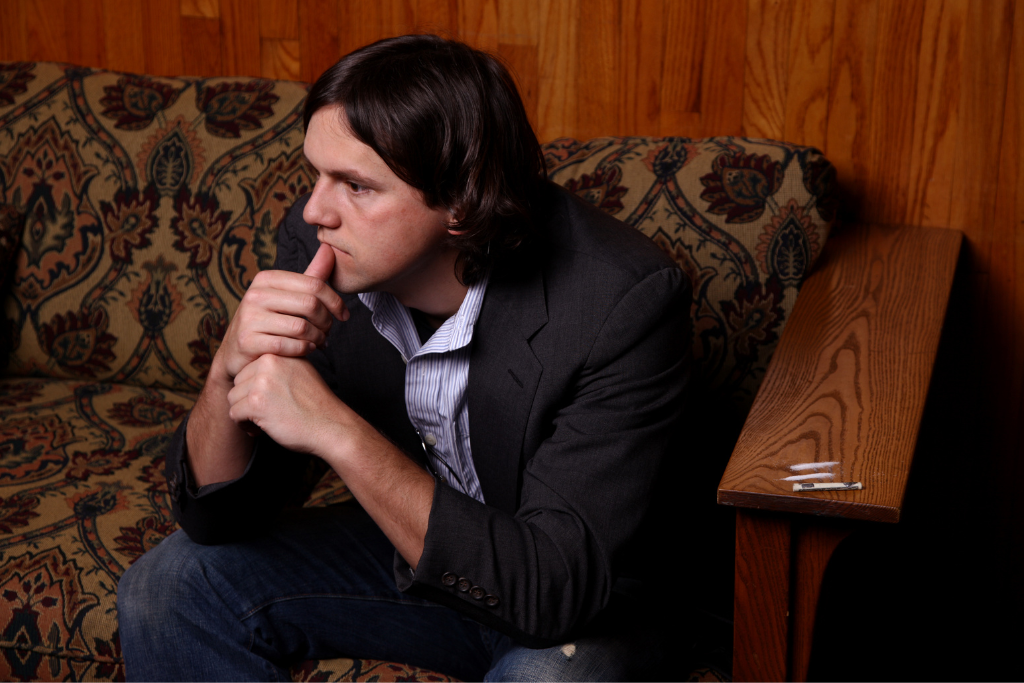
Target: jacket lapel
[503,377]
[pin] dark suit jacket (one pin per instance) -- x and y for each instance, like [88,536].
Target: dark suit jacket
[579,366]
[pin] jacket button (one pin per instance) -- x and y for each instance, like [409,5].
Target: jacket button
[476,592]
[491,600]
[449,579]
[464,585]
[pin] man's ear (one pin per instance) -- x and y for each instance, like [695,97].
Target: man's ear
[455,217]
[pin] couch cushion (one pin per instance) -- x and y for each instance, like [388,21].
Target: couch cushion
[745,219]
[82,495]
[151,203]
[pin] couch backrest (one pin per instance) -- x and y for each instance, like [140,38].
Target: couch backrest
[745,219]
[151,202]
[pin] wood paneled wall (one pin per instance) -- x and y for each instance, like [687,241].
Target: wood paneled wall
[919,103]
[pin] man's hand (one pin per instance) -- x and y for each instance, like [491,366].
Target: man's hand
[282,313]
[287,399]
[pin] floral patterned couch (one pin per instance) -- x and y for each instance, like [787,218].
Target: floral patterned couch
[134,212]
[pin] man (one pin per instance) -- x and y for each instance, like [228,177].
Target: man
[494,368]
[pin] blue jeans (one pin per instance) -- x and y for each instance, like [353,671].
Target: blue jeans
[319,585]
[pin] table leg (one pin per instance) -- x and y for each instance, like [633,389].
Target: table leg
[780,564]
[813,545]
[761,603]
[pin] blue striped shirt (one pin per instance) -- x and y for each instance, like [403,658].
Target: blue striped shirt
[436,376]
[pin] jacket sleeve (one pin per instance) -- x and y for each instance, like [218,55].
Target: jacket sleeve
[542,574]
[274,477]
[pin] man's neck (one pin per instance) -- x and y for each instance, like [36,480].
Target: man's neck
[437,296]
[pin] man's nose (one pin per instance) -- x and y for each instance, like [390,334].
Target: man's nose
[318,210]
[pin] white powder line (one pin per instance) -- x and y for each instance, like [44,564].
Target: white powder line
[815,475]
[813,465]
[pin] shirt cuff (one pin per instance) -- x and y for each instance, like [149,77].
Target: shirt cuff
[197,492]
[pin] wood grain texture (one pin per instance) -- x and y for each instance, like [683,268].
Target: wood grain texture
[122,26]
[892,109]
[780,565]
[200,46]
[813,544]
[280,59]
[478,24]
[987,33]
[240,37]
[45,28]
[522,62]
[769,23]
[161,20]
[202,9]
[86,42]
[398,18]
[642,49]
[437,16]
[279,19]
[319,40]
[681,76]
[359,24]
[13,46]
[721,97]
[810,61]
[558,67]
[851,90]
[600,69]
[761,607]
[849,378]
[933,147]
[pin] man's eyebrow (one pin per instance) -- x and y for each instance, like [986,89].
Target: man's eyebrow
[346,174]
[349,176]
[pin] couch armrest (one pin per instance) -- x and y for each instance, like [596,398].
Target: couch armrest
[848,381]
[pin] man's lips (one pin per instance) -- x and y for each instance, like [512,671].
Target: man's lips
[335,248]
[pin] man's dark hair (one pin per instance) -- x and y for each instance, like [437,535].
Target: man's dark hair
[448,120]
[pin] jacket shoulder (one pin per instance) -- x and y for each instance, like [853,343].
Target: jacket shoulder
[583,234]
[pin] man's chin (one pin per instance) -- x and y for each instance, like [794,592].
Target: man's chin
[342,286]
[347,283]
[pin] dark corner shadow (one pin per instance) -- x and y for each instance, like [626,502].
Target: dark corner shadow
[930,598]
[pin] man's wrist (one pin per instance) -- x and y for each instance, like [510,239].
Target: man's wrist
[218,373]
[342,436]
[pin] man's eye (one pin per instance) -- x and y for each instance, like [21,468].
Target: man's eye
[356,187]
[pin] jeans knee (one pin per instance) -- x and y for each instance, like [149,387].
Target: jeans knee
[153,590]
[589,659]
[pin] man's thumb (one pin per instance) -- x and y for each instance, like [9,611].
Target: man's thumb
[322,264]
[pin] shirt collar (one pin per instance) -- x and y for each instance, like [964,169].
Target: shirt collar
[455,333]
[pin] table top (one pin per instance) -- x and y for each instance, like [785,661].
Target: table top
[843,396]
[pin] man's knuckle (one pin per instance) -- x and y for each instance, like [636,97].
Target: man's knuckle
[310,304]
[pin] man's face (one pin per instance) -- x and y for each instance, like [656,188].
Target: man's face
[384,237]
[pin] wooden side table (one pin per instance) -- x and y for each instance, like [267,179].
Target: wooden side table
[841,401]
